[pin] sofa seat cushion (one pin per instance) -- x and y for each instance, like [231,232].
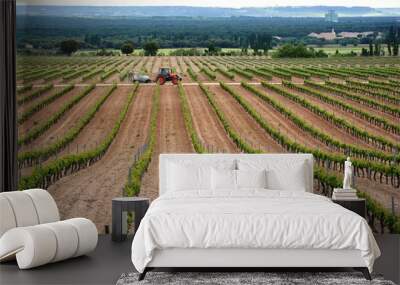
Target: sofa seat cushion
[41,244]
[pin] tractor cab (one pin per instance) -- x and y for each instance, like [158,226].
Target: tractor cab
[166,74]
[164,71]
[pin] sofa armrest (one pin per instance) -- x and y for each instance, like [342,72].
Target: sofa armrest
[32,246]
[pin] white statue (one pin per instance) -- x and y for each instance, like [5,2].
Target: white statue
[348,174]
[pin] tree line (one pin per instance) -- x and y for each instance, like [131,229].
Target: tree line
[376,45]
[393,40]
[259,43]
[44,32]
[256,42]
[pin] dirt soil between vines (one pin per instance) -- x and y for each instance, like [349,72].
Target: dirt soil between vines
[88,193]
[206,123]
[243,123]
[171,137]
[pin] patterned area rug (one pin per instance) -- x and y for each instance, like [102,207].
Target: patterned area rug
[243,278]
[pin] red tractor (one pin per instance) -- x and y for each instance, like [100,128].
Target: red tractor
[165,74]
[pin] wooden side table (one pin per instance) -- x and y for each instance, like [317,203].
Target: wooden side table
[120,208]
[358,205]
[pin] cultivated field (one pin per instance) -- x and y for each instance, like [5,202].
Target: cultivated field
[89,134]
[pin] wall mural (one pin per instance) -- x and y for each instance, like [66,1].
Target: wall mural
[100,97]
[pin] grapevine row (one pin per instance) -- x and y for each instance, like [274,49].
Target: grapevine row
[386,85]
[339,122]
[76,74]
[132,187]
[35,156]
[318,74]
[45,73]
[40,129]
[277,73]
[211,75]
[362,168]
[24,89]
[331,87]
[34,94]
[192,74]
[241,72]
[374,90]
[40,105]
[108,74]
[187,116]
[241,144]
[323,137]
[372,119]
[374,209]
[225,73]
[363,88]
[44,176]
[92,74]
[297,73]
[259,73]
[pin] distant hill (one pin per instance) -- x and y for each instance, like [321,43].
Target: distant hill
[176,11]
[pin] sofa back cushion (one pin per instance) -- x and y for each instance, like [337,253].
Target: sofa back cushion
[26,208]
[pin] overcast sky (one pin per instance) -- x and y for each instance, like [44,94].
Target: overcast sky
[218,3]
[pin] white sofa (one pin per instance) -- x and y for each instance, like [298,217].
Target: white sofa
[31,230]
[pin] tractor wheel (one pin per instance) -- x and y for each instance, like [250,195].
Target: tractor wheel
[174,80]
[161,80]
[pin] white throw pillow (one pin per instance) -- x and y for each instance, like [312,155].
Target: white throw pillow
[290,175]
[251,178]
[183,178]
[223,179]
[292,179]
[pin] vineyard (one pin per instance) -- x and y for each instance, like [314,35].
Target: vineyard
[88,134]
